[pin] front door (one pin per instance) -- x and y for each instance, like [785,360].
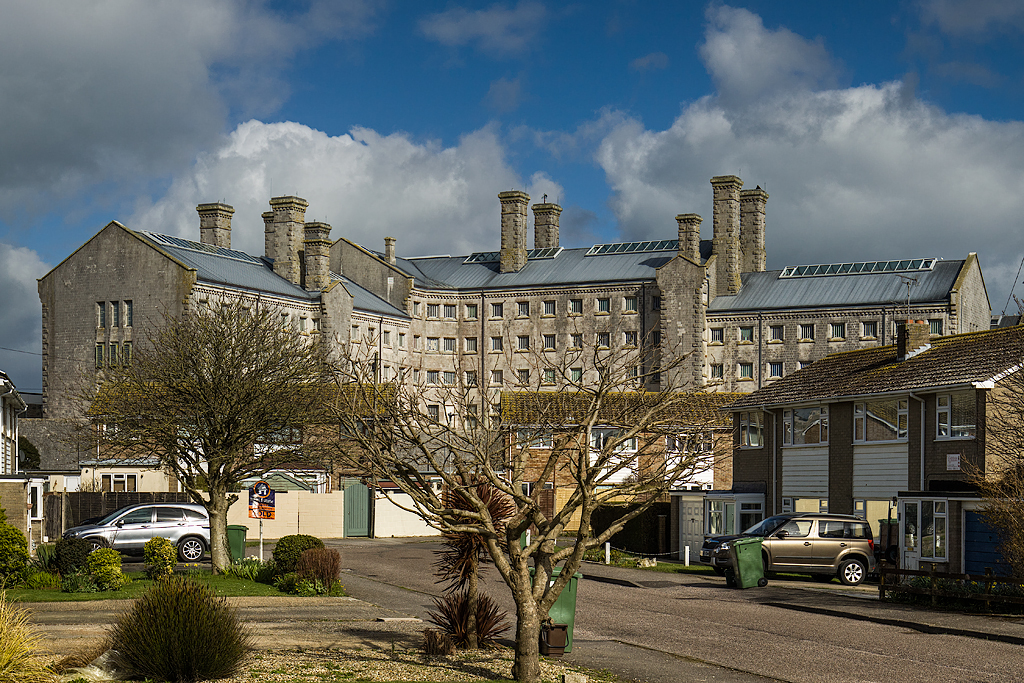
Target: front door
[910,536]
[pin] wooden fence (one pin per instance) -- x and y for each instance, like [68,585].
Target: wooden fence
[65,510]
[895,580]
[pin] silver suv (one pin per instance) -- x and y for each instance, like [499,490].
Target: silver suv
[824,545]
[185,525]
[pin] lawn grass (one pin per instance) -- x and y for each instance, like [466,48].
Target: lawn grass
[225,586]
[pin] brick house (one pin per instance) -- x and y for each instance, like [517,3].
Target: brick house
[879,433]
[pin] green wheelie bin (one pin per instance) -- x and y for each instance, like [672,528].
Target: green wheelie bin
[564,609]
[236,541]
[747,566]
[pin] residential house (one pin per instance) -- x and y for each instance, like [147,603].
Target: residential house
[21,495]
[882,433]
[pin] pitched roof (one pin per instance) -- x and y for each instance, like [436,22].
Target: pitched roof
[567,266]
[772,290]
[235,268]
[961,359]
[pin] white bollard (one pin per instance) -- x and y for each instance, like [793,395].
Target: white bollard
[686,557]
[608,553]
[527,537]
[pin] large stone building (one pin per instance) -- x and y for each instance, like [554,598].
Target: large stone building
[505,319]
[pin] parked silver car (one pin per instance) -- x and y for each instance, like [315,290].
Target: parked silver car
[185,525]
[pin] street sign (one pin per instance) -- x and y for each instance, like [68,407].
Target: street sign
[261,501]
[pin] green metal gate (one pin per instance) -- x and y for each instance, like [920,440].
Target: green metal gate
[357,508]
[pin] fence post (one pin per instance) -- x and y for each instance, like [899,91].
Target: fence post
[931,574]
[881,584]
[988,588]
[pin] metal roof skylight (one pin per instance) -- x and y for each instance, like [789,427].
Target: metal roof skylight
[633,247]
[179,243]
[495,256]
[860,268]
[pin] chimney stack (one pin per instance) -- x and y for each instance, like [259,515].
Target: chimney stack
[911,337]
[215,224]
[689,236]
[752,228]
[513,230]
[317,255]
[283,232]
[389,250]
[726,245]
[545,225]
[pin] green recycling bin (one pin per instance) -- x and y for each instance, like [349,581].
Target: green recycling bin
[747,566]
[236,541]
[564,609]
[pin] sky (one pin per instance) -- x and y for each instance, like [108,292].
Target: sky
[880,130]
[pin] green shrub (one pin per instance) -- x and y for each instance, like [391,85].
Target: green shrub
[13,556]
[252,569]
[18,663]
[452,616]
[286,583]
[77,582]
[161,556]
[105,567]
[179,631]
[40,579]
[72,555]
[46,557]
[288,549]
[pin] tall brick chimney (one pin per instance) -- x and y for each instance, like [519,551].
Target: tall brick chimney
[912,336]
[316,252]
[752,228]
[513,230]
[283,232]
[689,236]
[389,250]
[215,224]
[545,225]
[726,244]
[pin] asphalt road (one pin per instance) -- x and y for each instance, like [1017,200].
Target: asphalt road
[671,627]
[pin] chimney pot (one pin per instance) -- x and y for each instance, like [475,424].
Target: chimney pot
[689,236]
[215,224]
[912,336]
[389,250]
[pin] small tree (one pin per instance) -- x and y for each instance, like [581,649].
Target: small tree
[28,454]
[216,395]
[583,423]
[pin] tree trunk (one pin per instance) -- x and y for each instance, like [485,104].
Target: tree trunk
[526,666]
[473,600]
[220,556]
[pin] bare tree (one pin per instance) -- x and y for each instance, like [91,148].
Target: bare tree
[582,423]
[1001,482]
[218,395]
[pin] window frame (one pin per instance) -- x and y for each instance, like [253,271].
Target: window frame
[862,413]
[751,423]
[948,412]
[803,329]
[789,426]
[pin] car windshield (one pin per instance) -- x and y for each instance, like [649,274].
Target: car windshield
[766,526]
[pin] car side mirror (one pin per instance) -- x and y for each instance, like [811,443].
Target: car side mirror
[119,523]
[782,534]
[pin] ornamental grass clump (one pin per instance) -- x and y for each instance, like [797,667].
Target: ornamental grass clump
[160,556]
[452,616]
[18,642]
[179,631]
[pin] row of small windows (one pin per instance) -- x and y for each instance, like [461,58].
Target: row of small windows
[746,370]
[806,331]
[873,421]
[523,309]
[522,342]
[113,354]
[116,313]
[522,376]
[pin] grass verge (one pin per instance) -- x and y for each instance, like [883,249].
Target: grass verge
[225,586]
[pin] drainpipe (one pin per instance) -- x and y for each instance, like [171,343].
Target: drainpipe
[775,461]
[760,348]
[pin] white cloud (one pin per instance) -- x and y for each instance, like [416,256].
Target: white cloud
[859,173]
[366,185]
[123,91]
[497,30]
[650,62]
[973,17]
[748,61]
[20,320]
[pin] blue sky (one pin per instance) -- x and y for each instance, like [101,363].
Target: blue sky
[880,129]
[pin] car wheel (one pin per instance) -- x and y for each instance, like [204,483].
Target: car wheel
[97,542]
[191,550]
[719,570]
[852,572]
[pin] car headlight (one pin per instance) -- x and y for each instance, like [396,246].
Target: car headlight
[724,546]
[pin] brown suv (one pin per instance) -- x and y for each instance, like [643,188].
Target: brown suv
[805,543]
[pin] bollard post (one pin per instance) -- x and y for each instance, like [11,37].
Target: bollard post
[608,552]
[686,557]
